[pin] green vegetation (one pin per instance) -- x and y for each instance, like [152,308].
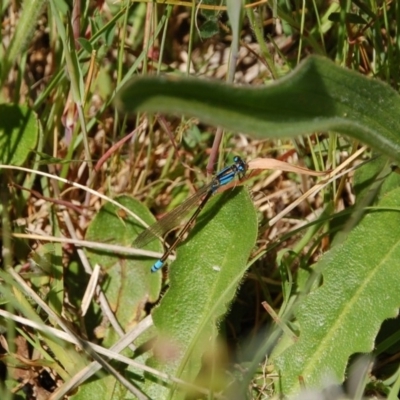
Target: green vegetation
[287,285]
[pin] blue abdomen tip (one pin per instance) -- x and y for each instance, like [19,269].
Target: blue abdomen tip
[157,266]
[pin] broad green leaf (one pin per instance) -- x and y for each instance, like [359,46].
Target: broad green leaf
[209,28]
[47,277]
[203,281]
[375,176]
[104,387]
[317,95]
[360,290]
[129,283]
[350,18]
[18,133]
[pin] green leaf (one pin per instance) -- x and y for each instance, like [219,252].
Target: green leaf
[360,290]
[203,281]
[209,13]
[317,95]
[49,283]
[209,28]
[18,133]
[129,281]
[350,18]
[105,387]
[86,45]
[374,179]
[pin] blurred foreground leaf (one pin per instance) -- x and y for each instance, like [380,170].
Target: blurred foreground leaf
[317,95]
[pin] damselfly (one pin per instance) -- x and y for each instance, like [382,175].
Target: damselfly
[173,218]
